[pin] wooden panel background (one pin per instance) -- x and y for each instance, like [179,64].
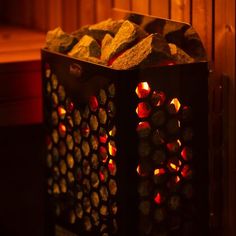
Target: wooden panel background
[214,20]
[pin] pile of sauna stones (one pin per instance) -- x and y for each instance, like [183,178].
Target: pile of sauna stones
[119,44]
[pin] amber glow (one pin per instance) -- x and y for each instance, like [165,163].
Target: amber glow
[143,110]
[112,148]
[112,166]
[159,172]
[176,104]
[61,112]
[62,129]
[174,165]
[143,90]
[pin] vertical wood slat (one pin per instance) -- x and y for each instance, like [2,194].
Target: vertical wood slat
[122,4]
[180,10]
[86,12]
[25,12]
[225,67]
[69,17]
[140,6]
[40,14]
[54,13]
[103,9]
[203,23]
[159,8]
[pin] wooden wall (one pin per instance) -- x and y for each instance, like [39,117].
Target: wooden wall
[215,22]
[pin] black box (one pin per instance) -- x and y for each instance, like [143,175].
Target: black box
[127,151]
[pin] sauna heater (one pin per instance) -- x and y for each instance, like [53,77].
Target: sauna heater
[126,150]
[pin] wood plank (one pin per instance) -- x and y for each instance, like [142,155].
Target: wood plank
[160,8]
[140,6]
[40,14]
[225,65]
[122,4]
[69,18]
[54,14]
[103,9]
[86,12]
[203,23]
[180,10]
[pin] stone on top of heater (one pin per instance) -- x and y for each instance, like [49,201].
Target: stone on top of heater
[119,44]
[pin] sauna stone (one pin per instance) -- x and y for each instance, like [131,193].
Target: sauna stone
[179,55]
[87,47]
[150,51]
[126,36]
[59,41]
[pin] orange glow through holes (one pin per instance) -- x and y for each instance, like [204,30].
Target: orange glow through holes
[143,90]
[62,129]
[143,110]
[103,136]
[158,98]
[111,166]
[158,199]
[102,176]
[176,104]
[93,103]
[61,112]
[174,165]
[140,172]
[174,146]
[112,148]
[159,172]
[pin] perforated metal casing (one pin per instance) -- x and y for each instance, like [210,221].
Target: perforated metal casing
[126,151]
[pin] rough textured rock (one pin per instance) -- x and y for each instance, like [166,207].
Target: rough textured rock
[150,51]
[59,41]
[106,42]
[85,48]
[126,36]
[193,45]
[179,55]
[99,30]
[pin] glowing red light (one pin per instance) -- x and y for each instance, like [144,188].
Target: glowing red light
[70,107]
[143,110]
[140,172]
[93,103]
[103,154]
[174,146]
[103,136]
[62,129]
[158,199]
[186,172]
[177,179]
[186,153]
[159,172]
[85,130]
[143,90]
[112,167]
[158,98]
[101,176]
[143,129]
